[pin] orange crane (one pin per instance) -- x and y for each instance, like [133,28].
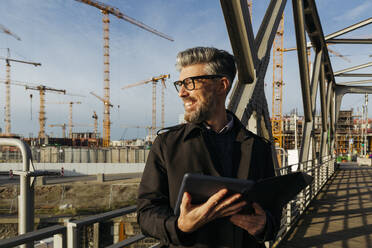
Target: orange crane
[42,89]
[70,125]
[154,81]
[7,89]
[63,126]
[8,32]
[106,122]
[106,10]
[277,99]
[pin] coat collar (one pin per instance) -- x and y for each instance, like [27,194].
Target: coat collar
[195,129]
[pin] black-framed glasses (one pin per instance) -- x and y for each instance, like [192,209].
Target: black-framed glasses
[189,83]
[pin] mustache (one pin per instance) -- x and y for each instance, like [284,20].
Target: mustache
[189,98]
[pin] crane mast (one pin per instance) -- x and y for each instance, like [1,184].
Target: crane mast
[7,89]
[63,126]
[106,10]
[70,123]
[42,89]
[154,81]
[277,99]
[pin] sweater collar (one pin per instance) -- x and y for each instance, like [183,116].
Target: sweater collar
[233,123]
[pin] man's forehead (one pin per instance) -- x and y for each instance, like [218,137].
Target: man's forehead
[192,71]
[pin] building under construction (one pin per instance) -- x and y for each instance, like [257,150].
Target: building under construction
[353,134]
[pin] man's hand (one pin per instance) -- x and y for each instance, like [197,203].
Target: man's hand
[193,217]
[252,223]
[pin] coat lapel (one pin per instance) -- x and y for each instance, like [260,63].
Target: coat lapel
[245,154]
[205,160]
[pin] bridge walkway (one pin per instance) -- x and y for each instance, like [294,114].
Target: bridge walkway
[340,216]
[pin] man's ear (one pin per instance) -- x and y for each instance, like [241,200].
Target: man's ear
[225,85]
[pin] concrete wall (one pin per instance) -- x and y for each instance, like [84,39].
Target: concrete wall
[71,169]
[364,161]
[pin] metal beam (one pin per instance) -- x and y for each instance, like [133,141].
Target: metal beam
[323,102]
[328,102]
[299,20]
[356,82]
[269,26]
[239,27]
[316,35]
[349,29]
[307,136]
[349,41]
[241,100]
[353,68]
[324,111]
[341,90]
[354,75]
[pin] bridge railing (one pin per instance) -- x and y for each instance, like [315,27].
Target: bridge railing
[321,169]
[57,232]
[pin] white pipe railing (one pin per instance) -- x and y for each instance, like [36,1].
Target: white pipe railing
[295,208]
[26,203]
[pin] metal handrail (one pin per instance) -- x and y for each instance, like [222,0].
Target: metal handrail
[58,231]
[321,173]
[26,204]
[73,227]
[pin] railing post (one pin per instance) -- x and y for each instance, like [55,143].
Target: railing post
[59,240]
[72,235]
[26,203]
[289,215]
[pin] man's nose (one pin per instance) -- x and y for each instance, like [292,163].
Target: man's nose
[182,92]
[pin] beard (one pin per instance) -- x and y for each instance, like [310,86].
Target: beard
[204,111]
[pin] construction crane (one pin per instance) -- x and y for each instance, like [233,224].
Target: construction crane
[277,99]
[95,117]
[42,89]
[7,89]
[107,104]
[148,128]
[106,10]
[70,125]
[154,81]
[8,32]
[63,126]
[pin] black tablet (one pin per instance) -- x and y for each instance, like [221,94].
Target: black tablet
[269,192]
[201,187]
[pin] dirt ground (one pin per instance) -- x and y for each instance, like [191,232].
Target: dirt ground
[73,198]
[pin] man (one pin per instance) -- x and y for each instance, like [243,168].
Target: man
[213,142]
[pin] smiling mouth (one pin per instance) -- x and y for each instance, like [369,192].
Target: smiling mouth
[189,105]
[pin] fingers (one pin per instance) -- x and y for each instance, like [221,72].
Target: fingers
[258,209]
[228,202]
[214,199]
[186,201]
[232,209]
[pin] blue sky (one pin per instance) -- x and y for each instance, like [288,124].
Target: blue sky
[66,37]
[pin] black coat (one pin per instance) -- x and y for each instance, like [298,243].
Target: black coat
[180,150]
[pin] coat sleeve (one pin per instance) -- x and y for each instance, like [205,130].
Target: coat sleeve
[154,214]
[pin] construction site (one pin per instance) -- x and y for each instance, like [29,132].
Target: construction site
[98,115]
[352,128]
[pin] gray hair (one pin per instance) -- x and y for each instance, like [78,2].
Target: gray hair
[216,61]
